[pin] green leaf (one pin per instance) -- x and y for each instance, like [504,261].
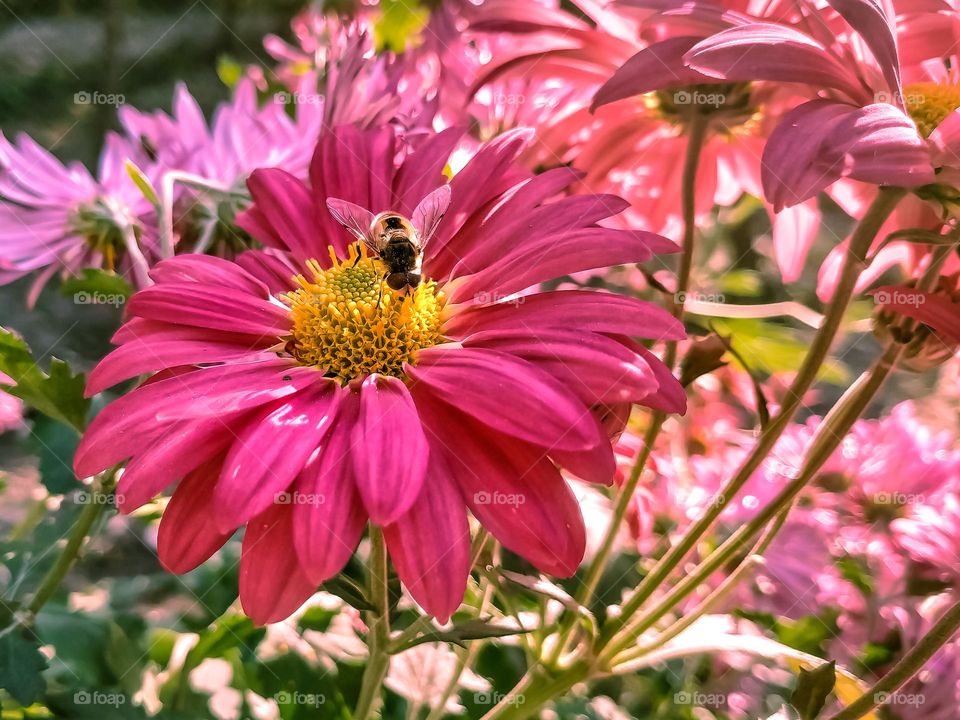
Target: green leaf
[475,629]
[813,688]
[21,665]
[348,591]
[97,287]
[55,446]
[58,395]
[143,183]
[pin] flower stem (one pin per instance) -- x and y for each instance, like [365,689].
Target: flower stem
[378,621]
[908,666]
[825,441]
[696,136]
[78,534]
[854,262]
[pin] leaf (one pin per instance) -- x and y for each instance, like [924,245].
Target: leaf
[142,182]
[704,356]
[917,235]
[58,395]
[763,412]
[813,688]
[474,629]
[21,665]
[97,287]
[55,446]
[348,591]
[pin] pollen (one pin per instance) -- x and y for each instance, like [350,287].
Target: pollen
[347,321]
[930,103]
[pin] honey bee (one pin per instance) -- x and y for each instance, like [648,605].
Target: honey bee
[398,242]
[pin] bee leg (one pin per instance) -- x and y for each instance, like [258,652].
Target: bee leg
[358,255]
[380,297]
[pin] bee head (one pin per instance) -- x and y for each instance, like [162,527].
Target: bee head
[391,223]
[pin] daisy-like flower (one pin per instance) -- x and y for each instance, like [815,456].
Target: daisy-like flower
[297,393]
[60,218]
[629,101]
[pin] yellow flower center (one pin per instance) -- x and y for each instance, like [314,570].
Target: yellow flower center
[347,321]
[930,103]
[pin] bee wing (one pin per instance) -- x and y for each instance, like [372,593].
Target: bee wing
[429,213]
[354,218]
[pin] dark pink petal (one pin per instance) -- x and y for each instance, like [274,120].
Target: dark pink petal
[539,258]
[595,368]
[355,165]
[598,312]
[187,535]
[657,66]
[271,452]
[272,584]
[328,515]
[430,544]
[390,456]
[208,270]
[597,465]
[508,394]
[239,386]
[934,310]
[125,425]
[765,51]
[181,447]
[146,356]
[254,221]
[217,309]
[670,396]
[512,488]
[870,21]
[273,268]
[287,206]
[422,171]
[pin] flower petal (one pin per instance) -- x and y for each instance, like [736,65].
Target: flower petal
[272,585]
[271,452]
[430,544]
[392,452]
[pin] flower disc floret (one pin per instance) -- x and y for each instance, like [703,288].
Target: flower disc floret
[347,321]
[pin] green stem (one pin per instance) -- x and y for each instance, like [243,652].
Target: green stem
[825,441]
[98,501]
[908,666]
[860,242]
[378,622]
[696,136]
[521,706]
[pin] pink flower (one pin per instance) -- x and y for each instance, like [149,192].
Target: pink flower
[60,218]
[930,533]
[11,408]
[627,101]
[868,127]
[302,405]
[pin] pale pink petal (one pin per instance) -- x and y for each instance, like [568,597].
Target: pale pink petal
[794,230]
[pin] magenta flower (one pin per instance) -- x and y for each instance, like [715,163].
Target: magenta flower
[60,218]
[298,394]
